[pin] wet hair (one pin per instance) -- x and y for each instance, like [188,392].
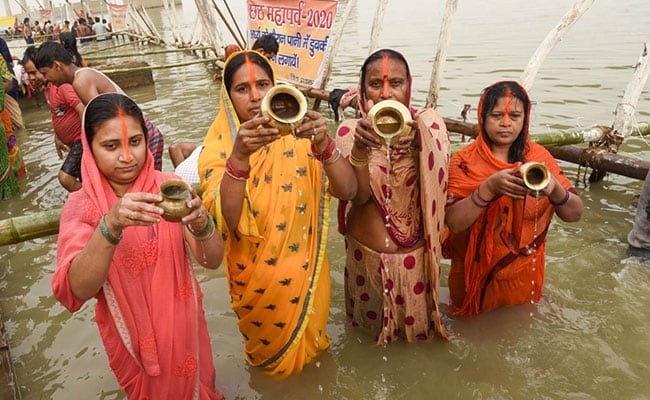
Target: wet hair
[48,52]
[107,106]
[268,43]
[69,42]
[378,55]
[238,60]
[490,96]
[29,55]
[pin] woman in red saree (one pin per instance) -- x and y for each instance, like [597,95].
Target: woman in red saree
[498,226]
[113,245]
[270,195]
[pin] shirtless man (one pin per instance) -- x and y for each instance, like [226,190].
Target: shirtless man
[66,110]
[56,65]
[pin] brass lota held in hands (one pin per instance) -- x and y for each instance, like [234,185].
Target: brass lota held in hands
[535,174]
[390,119]
[286,106]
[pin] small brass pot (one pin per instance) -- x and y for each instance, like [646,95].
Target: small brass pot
[535,174]
[175,194]
[286,106]
[389,119]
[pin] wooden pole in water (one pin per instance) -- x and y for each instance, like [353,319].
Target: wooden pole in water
[441,54]
[10,388]
[225,22]
[152,67]
[234,20]
[333,49]
[147,53]
[626,108]
[553,38]
[19,229]
[376,26]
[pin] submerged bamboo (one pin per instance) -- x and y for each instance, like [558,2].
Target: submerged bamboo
[19,229]
[152,67]
[147,52]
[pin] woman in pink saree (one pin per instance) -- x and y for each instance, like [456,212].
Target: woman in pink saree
[114,246]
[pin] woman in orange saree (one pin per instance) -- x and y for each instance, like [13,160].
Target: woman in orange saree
[270,196]
[498,226]
[114,246]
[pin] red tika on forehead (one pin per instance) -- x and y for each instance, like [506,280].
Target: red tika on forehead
[508,109]
[252,79]
[384,67]
[125,136]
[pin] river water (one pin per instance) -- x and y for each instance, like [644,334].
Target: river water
[588,338]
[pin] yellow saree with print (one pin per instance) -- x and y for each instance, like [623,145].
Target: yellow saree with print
[275,259]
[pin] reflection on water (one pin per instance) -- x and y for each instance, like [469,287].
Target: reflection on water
[587,338]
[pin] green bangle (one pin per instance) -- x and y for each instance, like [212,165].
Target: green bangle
[206,232]
[107,234]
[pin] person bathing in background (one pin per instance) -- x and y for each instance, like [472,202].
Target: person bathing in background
[57,66]
[270,195]
[393,226]
[66,110]
[114,246]
[639,237]
[497,225]
[268,45]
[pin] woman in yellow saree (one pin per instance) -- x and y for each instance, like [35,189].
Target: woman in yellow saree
[270,196]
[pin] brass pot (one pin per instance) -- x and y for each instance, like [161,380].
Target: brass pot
[389,119]
[175,194]
[286,106]
[535,175]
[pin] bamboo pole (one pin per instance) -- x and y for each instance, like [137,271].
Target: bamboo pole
[441,54]
[225,22]
[19,229]
[609,162]
[150,22]
[147,53]
[210,27]
[10,388]
[552,39]
[152,67]
[178,38]
[331,52]
[376,25]
[626,108]
[234,20]
[103,49]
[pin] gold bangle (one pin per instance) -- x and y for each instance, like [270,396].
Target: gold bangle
[355,162]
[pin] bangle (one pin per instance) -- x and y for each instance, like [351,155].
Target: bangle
[333,158]
[476,202]
[356,162]
[107,234]
[478,195]
[206,233]
[235,173]
[565,200]
[327,153]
